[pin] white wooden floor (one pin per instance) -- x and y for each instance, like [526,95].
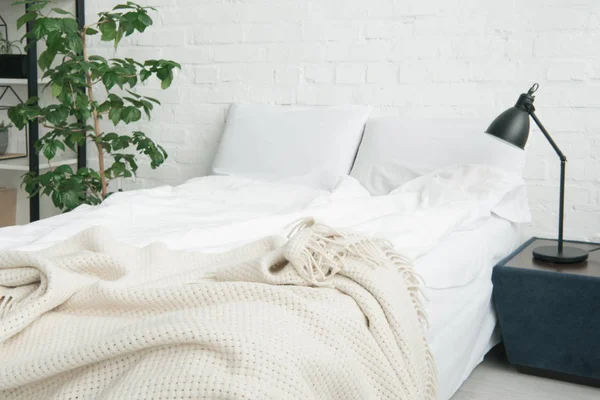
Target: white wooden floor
[495,379]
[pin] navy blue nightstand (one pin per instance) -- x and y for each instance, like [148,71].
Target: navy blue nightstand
[549,314]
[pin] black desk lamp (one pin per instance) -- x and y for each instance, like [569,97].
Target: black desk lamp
[512,126]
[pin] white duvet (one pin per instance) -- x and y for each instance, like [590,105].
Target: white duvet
[219,213]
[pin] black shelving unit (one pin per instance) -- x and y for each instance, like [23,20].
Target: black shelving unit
[31,74]
[34,127]
[82,151]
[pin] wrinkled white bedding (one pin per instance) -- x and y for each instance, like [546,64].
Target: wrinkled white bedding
[219,213]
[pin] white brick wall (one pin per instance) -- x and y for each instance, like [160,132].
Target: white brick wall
[434,58]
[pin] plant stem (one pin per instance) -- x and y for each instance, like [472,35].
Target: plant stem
[62,129]
[90,91]
[85,28]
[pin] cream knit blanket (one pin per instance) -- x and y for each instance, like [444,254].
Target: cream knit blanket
[323,315]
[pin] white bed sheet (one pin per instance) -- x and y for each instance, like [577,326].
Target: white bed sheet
[457,260]
[462,319]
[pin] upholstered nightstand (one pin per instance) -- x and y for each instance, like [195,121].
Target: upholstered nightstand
[549,314]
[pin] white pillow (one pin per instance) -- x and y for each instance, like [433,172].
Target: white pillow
[395,150]
[275,143]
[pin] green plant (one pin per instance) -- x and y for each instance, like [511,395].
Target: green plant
[8,47]
[73,81]
[4,126]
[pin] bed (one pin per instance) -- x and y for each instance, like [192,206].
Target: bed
[454,221]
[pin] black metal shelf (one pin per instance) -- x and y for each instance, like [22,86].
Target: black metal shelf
[15,66]
[29,71]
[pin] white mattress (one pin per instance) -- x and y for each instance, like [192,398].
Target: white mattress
[462,319]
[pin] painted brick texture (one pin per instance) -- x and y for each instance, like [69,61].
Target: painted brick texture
[432,58]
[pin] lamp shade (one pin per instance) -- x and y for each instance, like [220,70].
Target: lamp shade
[512,126]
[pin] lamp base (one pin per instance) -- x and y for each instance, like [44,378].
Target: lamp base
[569,255]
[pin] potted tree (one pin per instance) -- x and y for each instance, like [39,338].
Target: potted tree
[4,127]
[12,62]
[74,82]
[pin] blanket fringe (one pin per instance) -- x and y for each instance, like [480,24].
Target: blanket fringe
[324,251]
[414,283]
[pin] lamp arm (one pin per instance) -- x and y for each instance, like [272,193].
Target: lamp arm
[547,135]
[563,165]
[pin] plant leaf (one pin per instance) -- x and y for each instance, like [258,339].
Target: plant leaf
[131,114]
[165,83]
[61,11]
[49,151]
[108,28]
[69,25]
[115,115]
[56,89]
[25,18]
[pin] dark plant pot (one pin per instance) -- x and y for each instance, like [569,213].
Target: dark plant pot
[13,66]
[3,141]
